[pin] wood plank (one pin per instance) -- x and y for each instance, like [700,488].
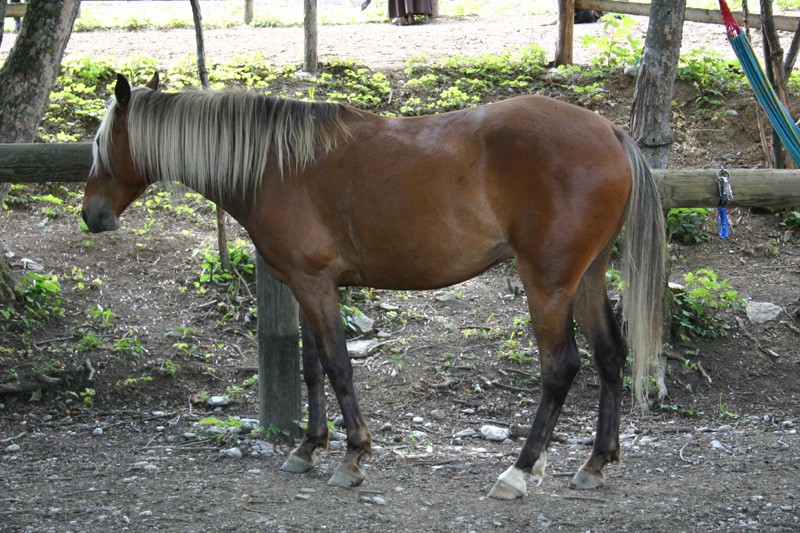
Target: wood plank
[709,16]
[71,162]
[40,162]
[16,10]
[764,187]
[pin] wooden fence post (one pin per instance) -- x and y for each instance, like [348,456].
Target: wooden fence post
[566,22]
[248,11]
[278,354]
[310,25]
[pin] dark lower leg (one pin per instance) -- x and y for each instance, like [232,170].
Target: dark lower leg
[558,371]
[316,434]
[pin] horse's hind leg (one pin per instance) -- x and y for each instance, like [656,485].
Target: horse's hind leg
[303,458]
[551,314]
[596,319]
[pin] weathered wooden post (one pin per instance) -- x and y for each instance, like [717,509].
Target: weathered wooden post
[566,27]
[278,354]
[310,25]
[248,11]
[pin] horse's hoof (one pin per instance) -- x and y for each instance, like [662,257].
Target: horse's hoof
[583,480]
[510,485]
[297,464]
[346,478]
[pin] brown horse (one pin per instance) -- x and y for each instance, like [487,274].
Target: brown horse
[335,196]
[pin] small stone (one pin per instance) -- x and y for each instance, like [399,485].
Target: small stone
[717,445]
[362,322]
[762,312]
[360,349]
[469,432]
[146,514]
[12,448]
[302,496]
[151,469]
[189,435]
[377,500]
[97,432]
[418,420]
[263,448]
[308,491]
[158,414]
[788,424]
[419,435]
[386,427]
[338,421]
[438,414]
[218,401]
[724,428]
[231,453]
[495,433]
[250,424]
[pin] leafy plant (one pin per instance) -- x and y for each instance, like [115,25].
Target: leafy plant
[87,340]
[40,295]
[617,46]
[695,306]
[688,226]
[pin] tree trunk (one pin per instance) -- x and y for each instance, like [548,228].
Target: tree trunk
[566,22]
[310,25]
[651,110]
[29,72]
[652,100]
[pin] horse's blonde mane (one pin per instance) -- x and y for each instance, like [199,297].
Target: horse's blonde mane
[219,142]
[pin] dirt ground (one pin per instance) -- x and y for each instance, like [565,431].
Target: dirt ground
[721,454]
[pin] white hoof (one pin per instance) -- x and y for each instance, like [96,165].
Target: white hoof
[586,481]
[345,479]
[510,485]
[297,465]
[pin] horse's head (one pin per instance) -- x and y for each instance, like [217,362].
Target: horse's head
[113,181]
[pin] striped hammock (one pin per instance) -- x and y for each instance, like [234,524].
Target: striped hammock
[779,117]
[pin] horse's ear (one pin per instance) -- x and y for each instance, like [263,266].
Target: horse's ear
[122,91]
[153,83]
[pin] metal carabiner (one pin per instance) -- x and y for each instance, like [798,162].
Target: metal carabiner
[724,184]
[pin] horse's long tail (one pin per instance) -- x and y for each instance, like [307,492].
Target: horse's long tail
[644,269]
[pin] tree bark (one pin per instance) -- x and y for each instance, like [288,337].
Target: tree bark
[566,22]
[29,72]
[652,100]
[651,110]
[310,25]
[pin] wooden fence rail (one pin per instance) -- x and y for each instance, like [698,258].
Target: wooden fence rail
[57,162]
[710,16]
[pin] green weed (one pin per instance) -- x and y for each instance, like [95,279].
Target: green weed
[695,307]
[688,226]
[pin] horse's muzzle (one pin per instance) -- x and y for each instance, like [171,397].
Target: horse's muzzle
[98,220]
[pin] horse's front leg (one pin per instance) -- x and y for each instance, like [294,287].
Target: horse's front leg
[303,458]
[325,333]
